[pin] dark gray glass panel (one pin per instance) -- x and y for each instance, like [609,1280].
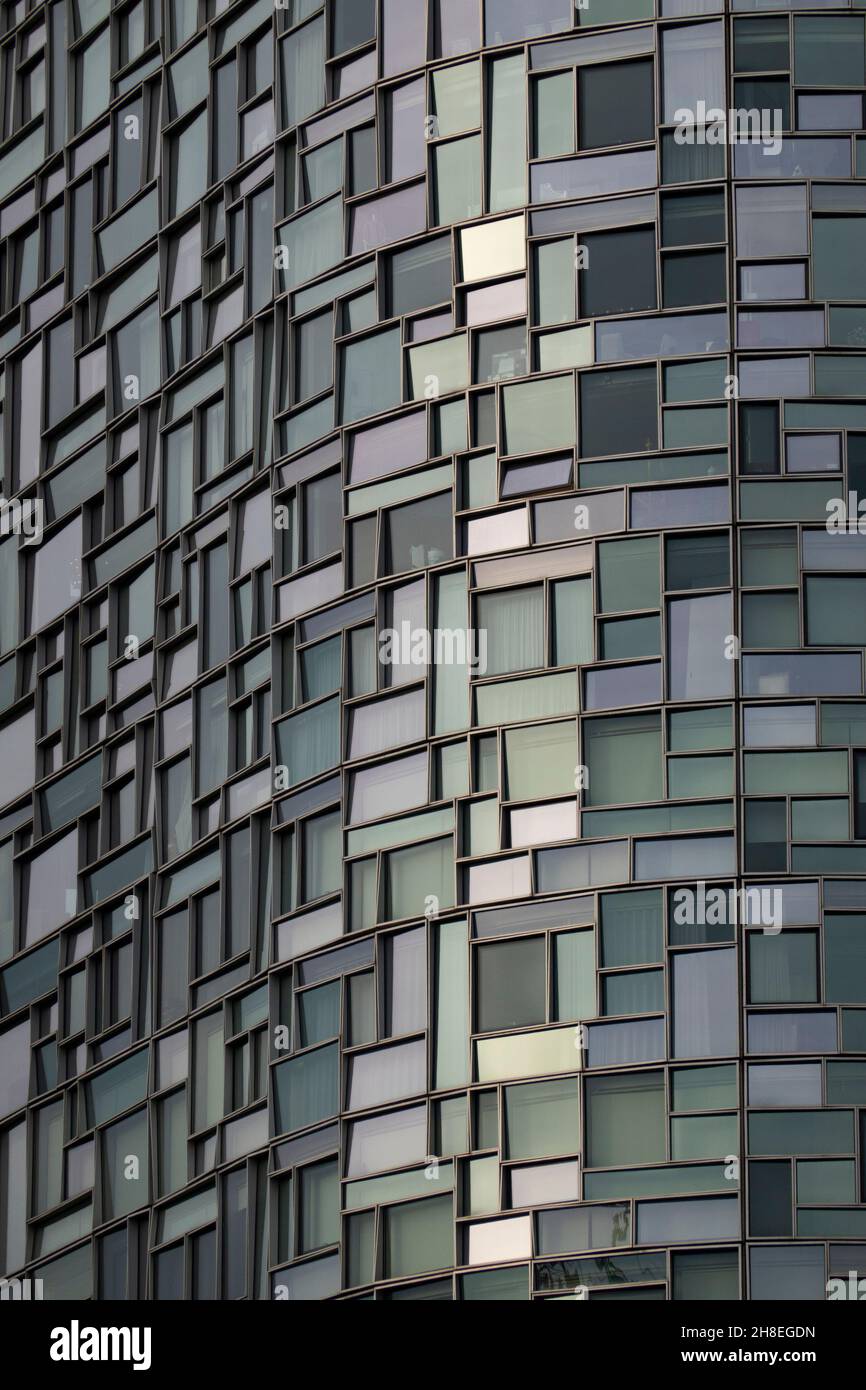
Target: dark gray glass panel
[354,22]
[621,273]
[618,411]
[698,278]
[510,987]
[770,1212]
[603,117]
[692,217]
[420,276]
[761,45]
[697,562]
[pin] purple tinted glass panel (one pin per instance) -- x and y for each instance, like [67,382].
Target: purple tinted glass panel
[502,301]
[698,667]
[407,153]
[614,686]
[399,443]
[356,74]
[675,8]
[390,217]
[518,479]
[830,112]
[310,464]
[610,1044]
[591,175]
[814,453]
[786,280]
[680,506]
[768,328]
[705,1004]
[842,892]
[800,1032]
[554,520]
[589,217]
[619,340]
[404,36]
[589,49]
[775,376]
[432,326]
[341,120]
[802,673]
[799,157]
[457,28]
[507,20]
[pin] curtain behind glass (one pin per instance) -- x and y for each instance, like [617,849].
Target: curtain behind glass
[574,974]
[514,624]
[451,679]
[694,68]
[540,760]
[418,873]
[705,1004]
[308,743]
[451,1043]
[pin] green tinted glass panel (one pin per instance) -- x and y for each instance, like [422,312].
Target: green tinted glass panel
[835,610]
[574,975]
[845,958]
[553,115]
[783,969]
[801,1132]
[629,574]
[542,1119]
[624,758]
[625,1118]
[703,1088]
[704,1136]
[768,557]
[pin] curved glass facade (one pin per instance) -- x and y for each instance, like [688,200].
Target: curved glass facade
[432,627]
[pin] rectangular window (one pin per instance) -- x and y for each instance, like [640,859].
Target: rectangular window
[619,411]
[625,1119]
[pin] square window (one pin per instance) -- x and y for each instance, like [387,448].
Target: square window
[420,276]
[604,116]
[761,45]
[619,411]
[698,277]
[689,218]
[829,51]
[783,969]
[510,984]
[500,353]
[625,1119]
[620,274]
[697,562]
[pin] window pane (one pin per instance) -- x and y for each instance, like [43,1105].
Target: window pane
[618,411]
[604,118]
[625,1119]
[621,273]
[542,1119]
[511,984]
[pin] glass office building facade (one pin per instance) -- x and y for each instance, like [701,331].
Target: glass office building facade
[432,632]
